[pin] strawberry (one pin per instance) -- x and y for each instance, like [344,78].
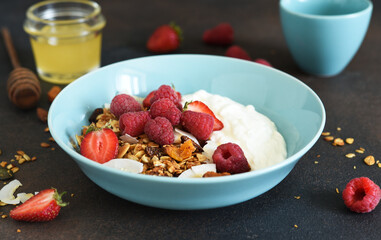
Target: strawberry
[42,207]
[222,35]
[237,52]
[100,145]
[165,38]
[198,106]
[147,100]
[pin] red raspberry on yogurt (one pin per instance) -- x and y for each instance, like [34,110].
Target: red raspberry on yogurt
[123,103]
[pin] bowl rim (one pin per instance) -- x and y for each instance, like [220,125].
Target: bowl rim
[284,7]
[172,180]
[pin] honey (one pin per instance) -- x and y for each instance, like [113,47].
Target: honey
[65,38]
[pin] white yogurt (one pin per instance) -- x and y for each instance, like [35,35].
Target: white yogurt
[255,133]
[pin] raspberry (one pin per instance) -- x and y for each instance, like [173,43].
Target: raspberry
[165,108]
[222,34]
[237,52]
[165,91]
[263,61]
[361,195]
[123,103]
[230,158]
[199,124]
[160,131]
[133,123]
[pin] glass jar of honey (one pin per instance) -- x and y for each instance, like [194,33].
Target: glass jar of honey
[66,38]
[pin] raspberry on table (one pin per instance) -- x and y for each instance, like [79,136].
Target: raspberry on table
[166,91]
[132,123]
[230,158]
[237,52]
[361,195]
[199,124]
[160,131]
[164,107]
[123,103]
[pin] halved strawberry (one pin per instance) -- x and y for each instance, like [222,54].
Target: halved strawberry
[147,100]
[100,145]
[198,106]
[42,207]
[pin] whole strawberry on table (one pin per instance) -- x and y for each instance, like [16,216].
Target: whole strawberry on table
[165,38]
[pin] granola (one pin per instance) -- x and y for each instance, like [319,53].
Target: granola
[167,160]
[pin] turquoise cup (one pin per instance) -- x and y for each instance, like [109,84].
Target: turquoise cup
[324,35]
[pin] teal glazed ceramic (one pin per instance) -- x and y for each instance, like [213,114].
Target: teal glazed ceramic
[295,109]
[324,35]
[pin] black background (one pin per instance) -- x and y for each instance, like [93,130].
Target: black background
[352,101]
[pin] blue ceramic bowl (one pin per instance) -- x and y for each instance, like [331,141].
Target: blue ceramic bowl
[295,109]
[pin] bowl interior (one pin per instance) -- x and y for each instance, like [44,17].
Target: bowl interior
[295,109]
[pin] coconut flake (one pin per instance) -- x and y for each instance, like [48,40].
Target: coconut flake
[139,99]
[125,164]
[198,171]
[187,174]
[129,139]
[6,193]
[204,168]
[181,132]
[177,137]
[24,196]
[209,149]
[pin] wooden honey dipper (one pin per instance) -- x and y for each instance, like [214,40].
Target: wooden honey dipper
[23,86]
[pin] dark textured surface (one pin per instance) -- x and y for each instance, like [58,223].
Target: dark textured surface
[352,100]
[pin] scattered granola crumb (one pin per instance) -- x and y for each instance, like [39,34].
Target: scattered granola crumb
[379,165]
[20,152]
[18,230]
[53,92]
[4,216]
[349,140]
[316,162]
[297,197]
[350,155]
[337,191]
[295,226]
[53,149]
[3,164]
[42,114]
[46,129]
[52,139]
[369,160]
[338,129]
[318,155]
[354,167]
[44,145]
[33,158]
[360,150]
[325,133]
[72,195]
[329,138]
[338,142]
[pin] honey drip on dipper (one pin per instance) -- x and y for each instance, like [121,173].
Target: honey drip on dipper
[23,86]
